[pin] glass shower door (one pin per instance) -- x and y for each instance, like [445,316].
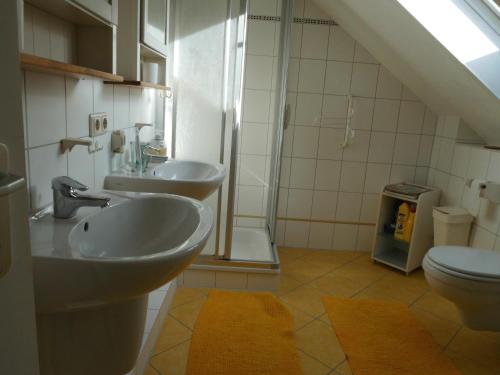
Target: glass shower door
[253,146]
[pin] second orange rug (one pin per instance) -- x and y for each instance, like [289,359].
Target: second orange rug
[243,334]
[384,338]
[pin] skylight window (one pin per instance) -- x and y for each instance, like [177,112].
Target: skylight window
[452,27]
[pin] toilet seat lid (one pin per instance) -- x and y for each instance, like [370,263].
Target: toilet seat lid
[467,260]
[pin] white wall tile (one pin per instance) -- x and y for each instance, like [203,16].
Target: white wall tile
[408,94]
[425,150]
[493,173]
[254,138]
[411,117]
[348,206]
[302,173]
[388,86]
[402,173]
[299,203]
[252,170]
[45,163]
[429,126]
[230,280]
[45,108]
[340,45]
[352,177]
[381,147]
[262,281]
[329,143]
[305,142]
[263,7]
[358,149]
[366,234]
[260,37]
[455,191]
[369,208]
[296,233]
[256,106]
[285,172]
[121,107]
[482,239]
[478,163]
[489,215]
[406,149]
[327,175]
[293,75]
[377,176]
[295,39]
[345,237]
[385,116]
[363,56]
[79,105]
[363,113]
[258,72]
[199,279]
[312,76]
[248,200]
[445,155]
[135,111]
[314,41]
[102,161]
[81,166]
[364,79]
[422,175]
[334,111]
[324,205]
[338,77]
[320,236]
[308,110]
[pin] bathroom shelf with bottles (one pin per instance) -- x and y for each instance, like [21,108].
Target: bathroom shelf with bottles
[402,255]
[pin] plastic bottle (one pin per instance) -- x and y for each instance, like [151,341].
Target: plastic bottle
[401,221]
[408,229]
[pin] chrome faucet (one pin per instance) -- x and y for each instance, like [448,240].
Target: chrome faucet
[67,200]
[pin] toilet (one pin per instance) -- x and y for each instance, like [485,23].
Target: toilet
[470,278]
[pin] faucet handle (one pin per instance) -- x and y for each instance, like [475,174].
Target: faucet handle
[67,183]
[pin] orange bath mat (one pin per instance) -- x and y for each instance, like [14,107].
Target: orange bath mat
[384,338]
[243,333]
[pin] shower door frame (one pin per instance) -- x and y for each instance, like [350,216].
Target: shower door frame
[285,19]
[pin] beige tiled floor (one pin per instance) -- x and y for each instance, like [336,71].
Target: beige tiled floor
[306,276]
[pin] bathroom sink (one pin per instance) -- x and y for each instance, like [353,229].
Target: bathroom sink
[182,177]
[93,272]
[139,243]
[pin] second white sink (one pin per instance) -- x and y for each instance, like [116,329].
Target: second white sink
[192,179]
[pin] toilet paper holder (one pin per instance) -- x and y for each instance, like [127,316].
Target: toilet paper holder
[486,189]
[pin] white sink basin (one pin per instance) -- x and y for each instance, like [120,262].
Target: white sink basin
[182,177]
[92,274]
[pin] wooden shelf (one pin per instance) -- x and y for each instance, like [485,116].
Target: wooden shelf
[140,84]
[41,64]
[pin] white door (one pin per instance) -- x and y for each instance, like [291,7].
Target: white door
[18,346]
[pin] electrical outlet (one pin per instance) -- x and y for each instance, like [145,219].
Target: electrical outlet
[98,124]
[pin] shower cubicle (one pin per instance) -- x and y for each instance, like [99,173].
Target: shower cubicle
[244,102]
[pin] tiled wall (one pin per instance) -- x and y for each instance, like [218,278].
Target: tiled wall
[258,127]
[56,107]
[451,165]
[331,192]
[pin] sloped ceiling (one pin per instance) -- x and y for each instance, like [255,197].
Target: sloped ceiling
[417,59]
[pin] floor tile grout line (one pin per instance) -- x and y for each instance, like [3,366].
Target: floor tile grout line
[316,359]
[169,349]
[181,323]
[453,338]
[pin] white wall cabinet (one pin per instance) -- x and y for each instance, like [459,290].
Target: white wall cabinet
[154,22]
[105,9]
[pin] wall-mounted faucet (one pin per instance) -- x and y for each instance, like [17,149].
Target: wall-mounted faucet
[67,200]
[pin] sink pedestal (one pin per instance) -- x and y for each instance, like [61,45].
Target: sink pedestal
[99,340]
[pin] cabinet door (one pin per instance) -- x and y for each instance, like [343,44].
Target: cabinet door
[154,23]
[105,9]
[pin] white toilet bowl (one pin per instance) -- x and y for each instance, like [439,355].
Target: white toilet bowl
[470,278]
